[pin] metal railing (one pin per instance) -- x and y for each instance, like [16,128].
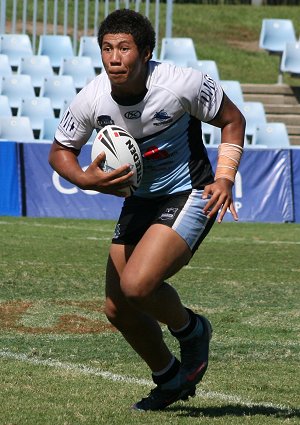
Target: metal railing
[77,18]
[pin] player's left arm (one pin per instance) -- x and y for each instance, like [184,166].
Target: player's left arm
[232,123]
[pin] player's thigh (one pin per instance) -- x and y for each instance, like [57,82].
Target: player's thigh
[117,259]
[160,254]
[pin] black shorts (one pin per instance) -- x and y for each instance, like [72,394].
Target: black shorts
[182,212]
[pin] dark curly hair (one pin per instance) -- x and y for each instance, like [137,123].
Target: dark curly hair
[128,21]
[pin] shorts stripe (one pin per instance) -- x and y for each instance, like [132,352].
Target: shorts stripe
[191,221]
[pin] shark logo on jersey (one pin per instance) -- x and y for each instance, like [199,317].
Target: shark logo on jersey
[162,117]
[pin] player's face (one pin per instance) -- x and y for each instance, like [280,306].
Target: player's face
[124,64]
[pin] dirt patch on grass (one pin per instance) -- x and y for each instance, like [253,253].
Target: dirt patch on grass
[12,314]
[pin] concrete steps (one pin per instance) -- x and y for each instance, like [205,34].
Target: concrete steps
[281,102]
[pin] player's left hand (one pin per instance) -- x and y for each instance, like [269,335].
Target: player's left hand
[220,198]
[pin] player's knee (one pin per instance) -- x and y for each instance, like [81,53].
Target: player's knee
[136,290]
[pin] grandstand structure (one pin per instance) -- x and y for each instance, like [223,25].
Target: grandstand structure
[75,18]
[54,44]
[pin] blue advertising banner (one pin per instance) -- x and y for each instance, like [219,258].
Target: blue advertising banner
[263,189]
[296,182]
[10,202]
[49,195]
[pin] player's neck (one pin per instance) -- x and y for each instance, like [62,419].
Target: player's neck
[128,99]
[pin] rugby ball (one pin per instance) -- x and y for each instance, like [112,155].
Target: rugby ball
[120,148]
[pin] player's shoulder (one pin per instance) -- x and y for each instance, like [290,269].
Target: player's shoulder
[173,77]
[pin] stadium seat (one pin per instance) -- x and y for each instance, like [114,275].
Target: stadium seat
[88,46]
[5,68]
[206,67]
[290,60]
[5,110]
[49,127]
[211,135]
[16,88]
[275,33]
[15,46]
[59,89]
[179,50]
[56,47]
[38,67]
[36,109]
[254,113]
[272,135]
[16,129]
[233,90]
[80,68]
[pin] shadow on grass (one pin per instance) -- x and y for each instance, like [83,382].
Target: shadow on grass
[235,410]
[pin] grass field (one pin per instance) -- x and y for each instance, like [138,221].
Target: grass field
[62,363]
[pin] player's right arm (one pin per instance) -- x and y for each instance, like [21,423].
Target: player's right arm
[64,161]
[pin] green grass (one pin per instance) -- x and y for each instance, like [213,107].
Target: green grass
[229,34]
[59,358]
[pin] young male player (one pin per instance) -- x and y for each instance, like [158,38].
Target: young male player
[164,222]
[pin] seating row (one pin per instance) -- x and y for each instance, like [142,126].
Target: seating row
[278,36]
[55,47]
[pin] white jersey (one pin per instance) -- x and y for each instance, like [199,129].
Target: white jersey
[166,123]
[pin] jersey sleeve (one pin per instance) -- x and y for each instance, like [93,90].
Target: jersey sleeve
[208,99]
[75,127]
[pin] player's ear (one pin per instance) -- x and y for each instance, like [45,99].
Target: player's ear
[147,54]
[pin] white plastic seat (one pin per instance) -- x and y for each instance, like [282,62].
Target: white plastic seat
[38,67]
[16,129]
[36,109]
[179,50]
[5,109]
[5,68]
[56,47]
[275,33]
[206,67]
[272,135]
[59,89]
[15,46]
[80,68]
[290,60]
[16,88]
[233,90]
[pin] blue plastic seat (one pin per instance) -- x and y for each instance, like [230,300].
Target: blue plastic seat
[38,67]
[211,135]
[206,67]
[16,129]
[49,128]
[5,68]
[179,50]
[88,46]
[275,33]
[56,47]
[254,113]
[15,46]
[290,61]
[5,109]
[36,109]
[16,88]
[59,89]
[80,68]
[233,90]
[272,135]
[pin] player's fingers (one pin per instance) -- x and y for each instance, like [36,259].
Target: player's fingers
[233,212]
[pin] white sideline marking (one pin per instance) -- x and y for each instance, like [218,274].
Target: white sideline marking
[85,370]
